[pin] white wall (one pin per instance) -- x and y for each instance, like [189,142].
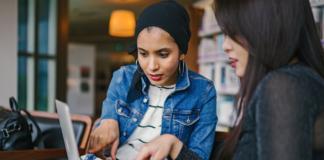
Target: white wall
[80,55]
[8,50]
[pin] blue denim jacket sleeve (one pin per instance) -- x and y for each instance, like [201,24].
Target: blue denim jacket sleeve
[108,106]
[202,137]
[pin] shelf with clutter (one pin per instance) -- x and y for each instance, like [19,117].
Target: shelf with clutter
[214,64]
[316,3]
[209,31]
[318,13]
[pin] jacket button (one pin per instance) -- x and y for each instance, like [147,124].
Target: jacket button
[135,120]
[188,120]
[120,110]
[145,100]
[125,134]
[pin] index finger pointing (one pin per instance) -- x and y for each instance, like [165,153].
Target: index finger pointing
[97,148]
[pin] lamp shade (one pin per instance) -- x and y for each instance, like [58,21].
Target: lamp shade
[122,23]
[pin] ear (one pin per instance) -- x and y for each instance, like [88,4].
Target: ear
[182,56]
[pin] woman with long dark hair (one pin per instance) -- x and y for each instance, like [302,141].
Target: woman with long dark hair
[277,53]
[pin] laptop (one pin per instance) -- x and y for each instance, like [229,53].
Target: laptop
[67,130]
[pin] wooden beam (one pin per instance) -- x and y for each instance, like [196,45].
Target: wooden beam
[62,42]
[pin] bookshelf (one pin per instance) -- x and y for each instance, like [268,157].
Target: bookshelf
[317,3]
[214,64]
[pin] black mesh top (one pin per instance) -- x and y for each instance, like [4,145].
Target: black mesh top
[284,119]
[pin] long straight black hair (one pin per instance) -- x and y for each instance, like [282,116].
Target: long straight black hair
[274,32]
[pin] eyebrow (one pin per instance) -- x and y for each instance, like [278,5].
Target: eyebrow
[163,49]
[158,51]
[142,49]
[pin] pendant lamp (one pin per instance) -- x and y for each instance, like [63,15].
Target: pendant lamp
[122,23]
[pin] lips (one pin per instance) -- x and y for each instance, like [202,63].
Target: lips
[234,61]
[156,77]
[233,64]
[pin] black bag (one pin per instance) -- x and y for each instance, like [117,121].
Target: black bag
[15,132]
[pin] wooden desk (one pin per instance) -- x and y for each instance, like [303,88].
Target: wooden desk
[35,154]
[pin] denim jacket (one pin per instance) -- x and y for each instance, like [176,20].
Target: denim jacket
[189,112]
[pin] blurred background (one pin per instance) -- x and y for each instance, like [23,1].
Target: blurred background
[68,50]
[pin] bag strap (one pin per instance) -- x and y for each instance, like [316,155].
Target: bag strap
[14,105]
[39,139]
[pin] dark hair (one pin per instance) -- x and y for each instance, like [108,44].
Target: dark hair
[274,32]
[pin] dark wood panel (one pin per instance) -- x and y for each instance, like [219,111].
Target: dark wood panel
[35,154]
[62,42]
[221,135]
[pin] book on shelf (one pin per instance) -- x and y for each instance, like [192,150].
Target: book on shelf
[226,112]
[201,15]
[207,70]
[315,1]
[223,75]
[219,42]
[318,13]
[226,81]
[206,47]
[211,46]
[207,22]
[209,18]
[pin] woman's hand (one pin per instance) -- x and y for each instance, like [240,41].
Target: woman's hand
[105,136]
[160,148]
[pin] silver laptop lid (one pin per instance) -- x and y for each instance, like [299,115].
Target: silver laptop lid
[67,130]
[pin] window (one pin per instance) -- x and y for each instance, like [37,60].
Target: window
[37,57]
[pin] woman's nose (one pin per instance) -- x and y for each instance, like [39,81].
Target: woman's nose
[153,65]
[227,45]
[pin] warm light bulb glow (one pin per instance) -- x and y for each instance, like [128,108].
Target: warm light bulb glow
[122,23]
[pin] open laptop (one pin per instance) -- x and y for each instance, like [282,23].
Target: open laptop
[67,130]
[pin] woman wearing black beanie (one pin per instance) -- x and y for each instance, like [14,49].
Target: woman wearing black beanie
[159,95]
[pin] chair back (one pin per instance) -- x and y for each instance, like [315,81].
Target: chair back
[95,123]
[218,144]
[52,133]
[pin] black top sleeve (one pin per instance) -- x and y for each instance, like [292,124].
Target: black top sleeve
[282,116]
[187,154]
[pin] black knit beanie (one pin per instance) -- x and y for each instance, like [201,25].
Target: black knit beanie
[171,17]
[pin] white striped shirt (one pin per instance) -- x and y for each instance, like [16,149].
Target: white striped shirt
[150,126]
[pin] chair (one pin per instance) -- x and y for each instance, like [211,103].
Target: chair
[218,144]
[52,136]
[95,123]
[51,129]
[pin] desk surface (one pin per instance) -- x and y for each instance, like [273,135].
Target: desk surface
[57,153]
[35,154]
